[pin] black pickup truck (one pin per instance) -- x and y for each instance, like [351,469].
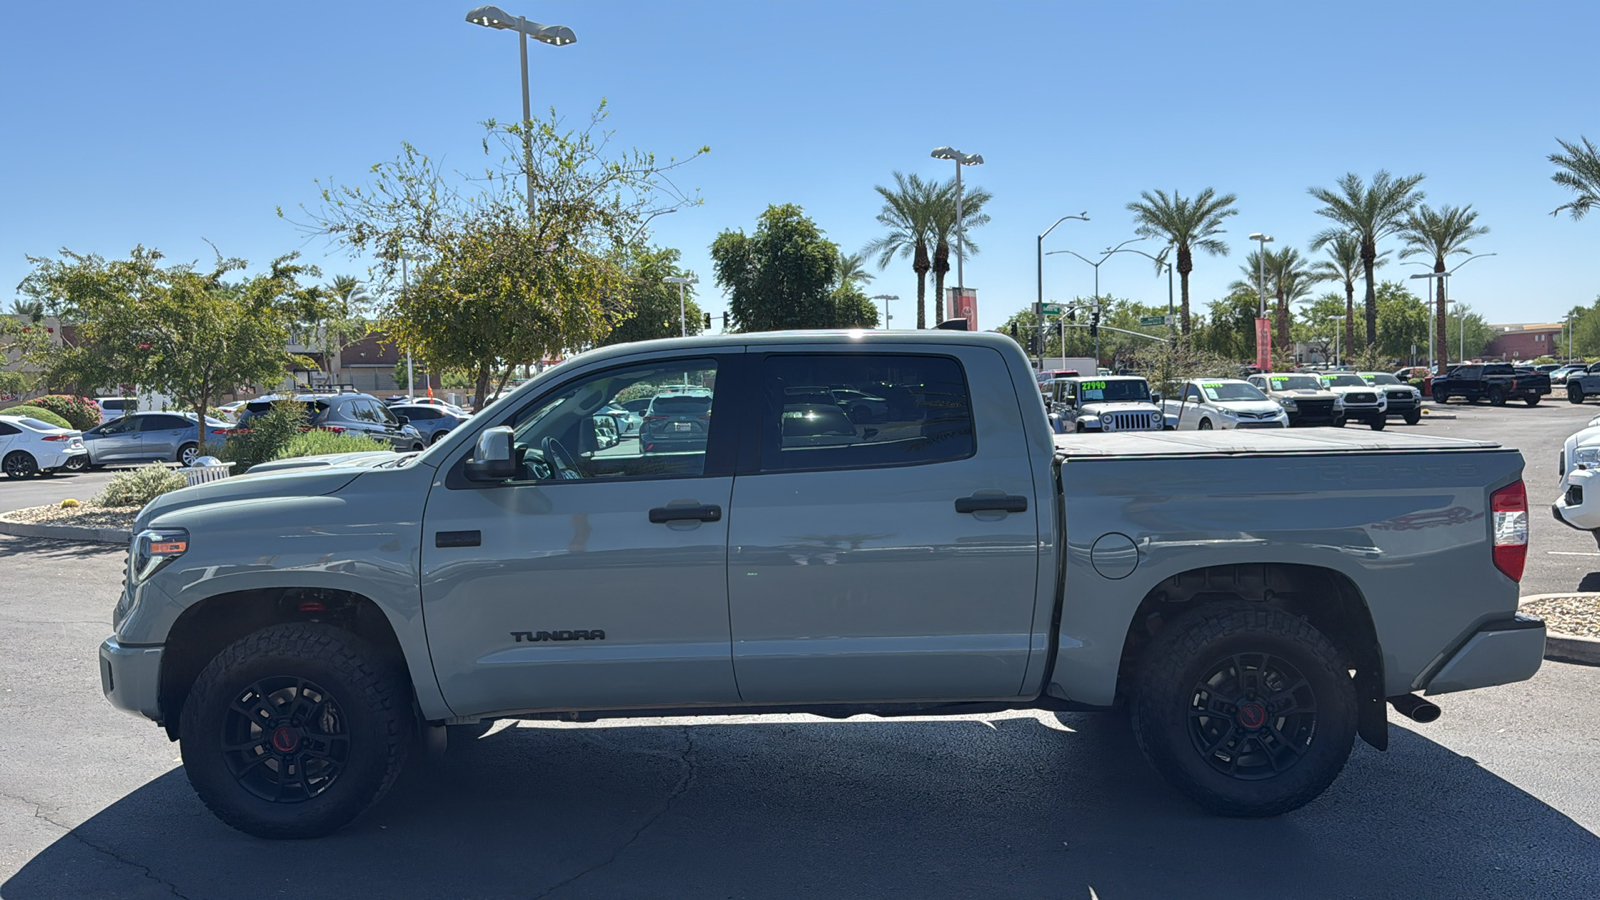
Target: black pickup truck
[1495,382]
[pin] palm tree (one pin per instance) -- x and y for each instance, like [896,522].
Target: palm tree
[1439,235]
[1580,173]
[1371,213]
[1343,266]
[1287,277]
[1187,224]
[908,214]
[852,270]
[32,309]
[944,227]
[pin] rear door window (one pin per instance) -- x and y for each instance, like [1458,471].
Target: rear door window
[926,416]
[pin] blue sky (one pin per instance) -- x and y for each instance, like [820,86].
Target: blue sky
[167,123]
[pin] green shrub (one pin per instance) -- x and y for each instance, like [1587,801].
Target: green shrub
[264,437]
[136,487]
[315,443]
[81,412]
[36,412]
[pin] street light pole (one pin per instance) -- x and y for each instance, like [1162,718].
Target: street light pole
[1261,271]
[1444,293]
[1038,303]
[1432,347]
[1110,252]
[411,377]
[680,281]
[885,298]
[554,35]
[961,159]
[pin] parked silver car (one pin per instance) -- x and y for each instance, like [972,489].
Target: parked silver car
[141,437]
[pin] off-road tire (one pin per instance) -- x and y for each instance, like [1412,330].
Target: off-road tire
[1533,400]
[1497,397]
[371,705]
[1164,692]
[1414,417]
[1574,393]
[1440,397]
[1377,423]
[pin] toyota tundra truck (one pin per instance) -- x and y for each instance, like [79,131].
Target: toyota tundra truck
[1253,600]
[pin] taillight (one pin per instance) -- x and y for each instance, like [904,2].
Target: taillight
[1509,506]
[58,437]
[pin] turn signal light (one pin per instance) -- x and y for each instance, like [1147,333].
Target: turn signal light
[1509,507]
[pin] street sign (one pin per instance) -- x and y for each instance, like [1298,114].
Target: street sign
[1051,309]
[1154,320]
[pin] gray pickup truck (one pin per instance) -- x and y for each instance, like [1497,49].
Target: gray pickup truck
[1252,599]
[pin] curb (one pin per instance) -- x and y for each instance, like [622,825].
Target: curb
[1567,648]
[67,532]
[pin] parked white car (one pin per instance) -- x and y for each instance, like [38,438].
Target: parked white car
[1578,504]
[30,447]
[1223,403]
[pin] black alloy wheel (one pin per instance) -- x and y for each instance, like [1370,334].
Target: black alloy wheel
[1252,716]
[19,464]
[284,739]
[1497,397]
[1574,393]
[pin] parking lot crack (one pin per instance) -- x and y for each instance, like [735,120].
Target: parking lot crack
[39,812]
[686,757]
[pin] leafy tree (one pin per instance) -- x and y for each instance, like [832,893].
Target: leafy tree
[1402,321]
[852,308]
[176,330]
[1343,266]
[943,230]
[1479,333]
[1438,236]
[1584,333]
[1319,325]
[1370,213]
[648,307]
[552,272]
[1231,326]
[1580,173]
[1289,280]
[1189,224]
[852,270]
[908,214]
[782,276]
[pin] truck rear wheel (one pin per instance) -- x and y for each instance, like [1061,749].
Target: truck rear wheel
[1497,397]
[294,731]
[1574,393]
[1247,709]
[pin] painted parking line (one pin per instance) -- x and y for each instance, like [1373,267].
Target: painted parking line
[1571,553]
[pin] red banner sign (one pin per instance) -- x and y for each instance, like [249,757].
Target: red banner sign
[1264,345]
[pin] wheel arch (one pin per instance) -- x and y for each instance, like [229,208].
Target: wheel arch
[1326,598]
[204,629]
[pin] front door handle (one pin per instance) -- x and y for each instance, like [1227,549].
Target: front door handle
[703,513]
[1010,504]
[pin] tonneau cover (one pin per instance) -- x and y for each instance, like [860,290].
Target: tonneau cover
[1254,441]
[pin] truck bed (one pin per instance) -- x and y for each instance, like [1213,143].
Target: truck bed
[1307,441]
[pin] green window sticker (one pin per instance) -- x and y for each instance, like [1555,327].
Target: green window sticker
[1094,385]
[1278,383]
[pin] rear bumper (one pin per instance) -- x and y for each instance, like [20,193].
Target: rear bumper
[130,677]
[1500,652]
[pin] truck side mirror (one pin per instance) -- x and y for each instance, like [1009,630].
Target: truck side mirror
[1155,396]
[492,459]
[403,420]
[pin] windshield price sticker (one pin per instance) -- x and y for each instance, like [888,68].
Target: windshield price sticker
[1278,383]
[1094,385]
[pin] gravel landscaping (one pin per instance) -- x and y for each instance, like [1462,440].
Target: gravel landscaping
[85,516]
[1576,615]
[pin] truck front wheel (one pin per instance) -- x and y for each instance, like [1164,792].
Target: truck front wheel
[1574,393]
[1247,709]
[294,731]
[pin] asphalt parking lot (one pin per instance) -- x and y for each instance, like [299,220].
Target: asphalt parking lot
[1494,800]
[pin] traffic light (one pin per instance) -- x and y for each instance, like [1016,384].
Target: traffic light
[708,321]
[1014,332]
[1033,342]
[1072,314]
[1094,322]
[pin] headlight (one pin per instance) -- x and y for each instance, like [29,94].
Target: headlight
[1338,402]
[1586,457]
[154,548]
[1288,405]
[1223,411]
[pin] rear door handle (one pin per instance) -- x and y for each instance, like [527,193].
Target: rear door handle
[1010,504]
[703,513]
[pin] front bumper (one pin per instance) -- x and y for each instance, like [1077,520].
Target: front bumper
[130,677]
[1500,652]
[1579,503]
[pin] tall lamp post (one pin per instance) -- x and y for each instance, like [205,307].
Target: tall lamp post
[1432,347]
[680,281]
[1445,293]
[1338,328]
[1110,252]
[1160,261]
[885,298]
[554,35]
[961,159]
[1038,303]
[1261,271]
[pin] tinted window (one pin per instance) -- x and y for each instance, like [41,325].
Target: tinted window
[672,439]
[7,429]
[417,413]
[926,417]
[1499,370]
[1114,391]
[164,423]
[37,425]
[117,405]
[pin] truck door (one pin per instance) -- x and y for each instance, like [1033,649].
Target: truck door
[596,576]
[895,561]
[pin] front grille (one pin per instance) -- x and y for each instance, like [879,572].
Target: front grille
[1315,408]
[1131,421]
[1399,398]
[1258,425]
[1360,398]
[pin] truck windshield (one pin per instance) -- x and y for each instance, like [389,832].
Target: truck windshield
[1343,381]
[1114,391]
[1294,383]
[1231,390]
[1381,378]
